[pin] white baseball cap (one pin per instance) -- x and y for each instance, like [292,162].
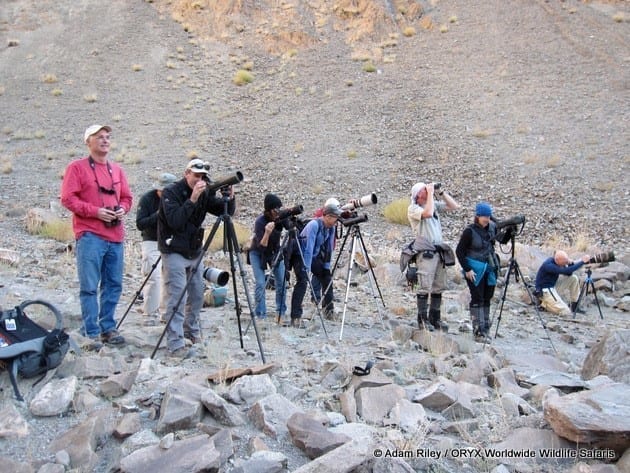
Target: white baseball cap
[93,129]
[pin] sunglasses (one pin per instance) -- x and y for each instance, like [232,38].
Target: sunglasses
[200,167]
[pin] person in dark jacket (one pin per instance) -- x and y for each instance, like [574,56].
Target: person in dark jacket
[264,249]
[548,282]
[146,222]
[480,264]
[182,211]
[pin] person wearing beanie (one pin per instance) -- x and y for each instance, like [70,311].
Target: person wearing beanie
[480,265]
[427,203]
[146,222]
[317,242]
[262,253]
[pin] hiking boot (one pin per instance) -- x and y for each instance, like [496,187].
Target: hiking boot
[92,344]
[182,353]
[194,339]
[439,325]
[482,338]
[112,338]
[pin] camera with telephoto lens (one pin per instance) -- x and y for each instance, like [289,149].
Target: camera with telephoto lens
[602,258]
[366,200]
[216,276]
[437,186]
[116,221]
[289,212]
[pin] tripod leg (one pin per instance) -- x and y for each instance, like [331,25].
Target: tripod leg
[517,274]
[592,285]
[235,256]
[348,278]
[371,276]
[138,292]
[364,251]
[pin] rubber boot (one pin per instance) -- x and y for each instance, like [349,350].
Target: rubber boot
[423,320]
[485,324]
[476,317]
[435,313]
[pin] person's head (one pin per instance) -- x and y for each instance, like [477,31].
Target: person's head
[272,205]
[483,212]
[330,214]
[163,180]
[97,138]
[561,258]
[419,193]
[196,170]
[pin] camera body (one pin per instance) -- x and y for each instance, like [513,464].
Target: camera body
[437,186]
[116,221]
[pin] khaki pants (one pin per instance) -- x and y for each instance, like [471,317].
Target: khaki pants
[551,300]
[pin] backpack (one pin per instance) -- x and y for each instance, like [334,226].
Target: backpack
[27,348]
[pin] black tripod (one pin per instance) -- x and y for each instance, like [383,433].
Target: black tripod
[357,241]
[290,240]
[515,268]
[139,291]
[230,244]
[588,283]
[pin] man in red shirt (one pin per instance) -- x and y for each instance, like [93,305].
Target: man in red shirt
[97,193]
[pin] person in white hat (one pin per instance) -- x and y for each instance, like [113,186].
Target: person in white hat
[424,217]
[182,211]
[146,222]
[97,193]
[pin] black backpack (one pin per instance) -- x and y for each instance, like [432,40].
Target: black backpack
[27,348]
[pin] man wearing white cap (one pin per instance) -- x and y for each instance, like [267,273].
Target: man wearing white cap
[146,222]
[182,211]
[424,217]
[97,193]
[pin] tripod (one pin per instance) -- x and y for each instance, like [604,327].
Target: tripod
[230,244]
[139,291]
[588,283]
[515,268]
[291,238]
[357,241]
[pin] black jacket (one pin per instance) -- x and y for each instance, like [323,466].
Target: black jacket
[179,220]
[147,215]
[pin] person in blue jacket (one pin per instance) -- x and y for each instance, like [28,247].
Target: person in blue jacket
[480,264]
[317,241]
[548,282]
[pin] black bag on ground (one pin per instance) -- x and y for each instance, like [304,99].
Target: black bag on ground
[27,348]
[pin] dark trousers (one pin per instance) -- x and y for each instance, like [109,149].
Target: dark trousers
[301,286]
[480,295]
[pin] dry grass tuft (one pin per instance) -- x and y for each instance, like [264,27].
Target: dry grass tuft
[242,235]
[6,166]
[479,133]
[90,98]
[56,92]
[242,77]
[409,31]
[396,212]
[136,67]
[554,161]
[369,66]
[49,78]
[60,230]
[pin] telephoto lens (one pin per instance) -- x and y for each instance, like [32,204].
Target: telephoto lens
[602,257]
[216,276]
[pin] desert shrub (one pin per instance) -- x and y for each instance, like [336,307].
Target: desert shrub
[396,212]
[60,230]
[242,77]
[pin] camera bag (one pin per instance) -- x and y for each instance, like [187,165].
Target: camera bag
[28,349]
